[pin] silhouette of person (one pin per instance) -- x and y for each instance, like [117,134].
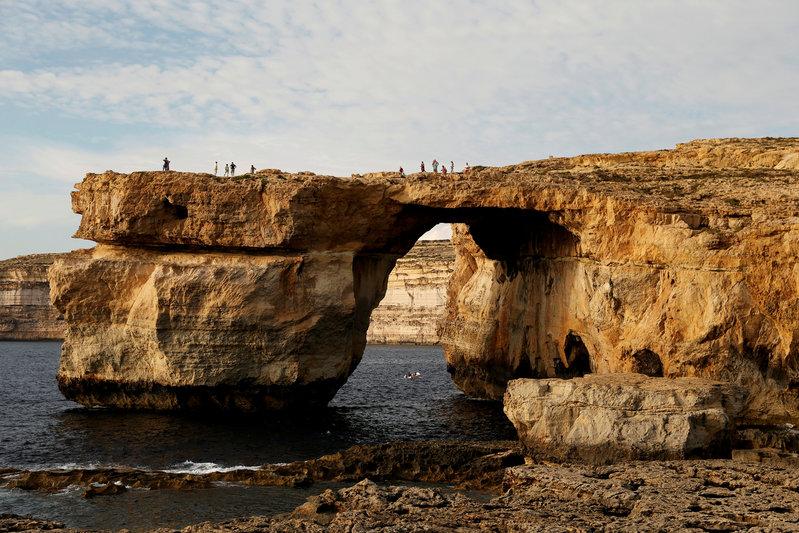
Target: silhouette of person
[451,167]
[422,167]
[252,169]
[166,164]
[216,168]
[444,169]
[232,169]
[227,170]
[402,173]
[435,166]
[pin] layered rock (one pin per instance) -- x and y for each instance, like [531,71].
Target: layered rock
[606,418]
[255,292]
[25,310]
[416,296]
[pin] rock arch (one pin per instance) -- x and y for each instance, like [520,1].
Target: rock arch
[256,293]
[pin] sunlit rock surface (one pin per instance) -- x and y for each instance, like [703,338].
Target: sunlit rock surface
[416,297]
[25,310]
[255,292]
[604,418]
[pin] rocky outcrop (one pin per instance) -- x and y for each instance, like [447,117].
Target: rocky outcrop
[467,464]
[606,418]
[653,496]
[25,310]
[255,292]
[416,297]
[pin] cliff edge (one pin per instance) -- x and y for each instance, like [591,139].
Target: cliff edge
[25,310]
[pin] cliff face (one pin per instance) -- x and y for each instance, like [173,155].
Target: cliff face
[255,292]
[25,310]
[416,296]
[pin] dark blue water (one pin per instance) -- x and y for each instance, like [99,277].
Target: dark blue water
[40,429]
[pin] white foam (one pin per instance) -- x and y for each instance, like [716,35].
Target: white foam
[190,467]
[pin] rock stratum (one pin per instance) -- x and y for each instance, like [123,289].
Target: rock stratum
[416,297]
[25,310]
[255,292]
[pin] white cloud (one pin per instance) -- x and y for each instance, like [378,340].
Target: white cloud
[348,86]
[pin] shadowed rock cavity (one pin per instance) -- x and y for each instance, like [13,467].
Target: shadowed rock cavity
[255,293]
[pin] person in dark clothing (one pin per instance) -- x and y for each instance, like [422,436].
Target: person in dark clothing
[422,167]
[252,169]
[402,172]
[232,169]
[166,164]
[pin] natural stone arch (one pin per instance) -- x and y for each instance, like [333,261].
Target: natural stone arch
[257,295]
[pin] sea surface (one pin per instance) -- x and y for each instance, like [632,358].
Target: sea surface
[40,429]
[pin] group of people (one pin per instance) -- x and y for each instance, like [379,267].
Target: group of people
[435,166]
[230,169]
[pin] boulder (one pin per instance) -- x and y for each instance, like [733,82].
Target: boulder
[606,418]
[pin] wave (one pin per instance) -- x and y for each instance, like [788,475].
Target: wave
[190,467]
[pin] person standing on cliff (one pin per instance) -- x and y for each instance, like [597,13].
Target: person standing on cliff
[227,170]
[451,167]
[166,164]
[435,166]
[252,169]
[232,168]
[422,167]
[402,172]
[216,168]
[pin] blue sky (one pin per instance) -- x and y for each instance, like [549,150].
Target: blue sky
[351,86]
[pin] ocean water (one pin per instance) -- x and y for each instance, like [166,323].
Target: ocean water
[40,429]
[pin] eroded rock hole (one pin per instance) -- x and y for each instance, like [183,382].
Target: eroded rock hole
[578,360]
[648,363]
[175,211]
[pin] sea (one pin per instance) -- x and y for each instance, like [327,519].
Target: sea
[39,429]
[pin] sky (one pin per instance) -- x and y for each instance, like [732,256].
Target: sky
[341,87]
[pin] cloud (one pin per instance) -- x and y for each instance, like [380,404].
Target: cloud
[348,86]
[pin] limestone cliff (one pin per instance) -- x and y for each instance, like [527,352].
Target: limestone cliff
[25,310]
[416,296]
[255,292]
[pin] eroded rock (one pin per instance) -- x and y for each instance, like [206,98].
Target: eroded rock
[612,417]
[651,496]
[25,310]
[255,293]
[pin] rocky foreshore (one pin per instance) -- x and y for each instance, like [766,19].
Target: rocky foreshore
[513,495]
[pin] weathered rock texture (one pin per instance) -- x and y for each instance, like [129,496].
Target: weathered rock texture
[652,496]
[255,292]
[25,310]
[606,418]
[416,296]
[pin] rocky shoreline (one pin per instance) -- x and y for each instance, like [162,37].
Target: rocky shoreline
[519,494]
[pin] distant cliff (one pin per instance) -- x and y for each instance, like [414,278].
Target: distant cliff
[25,310]
[416,296]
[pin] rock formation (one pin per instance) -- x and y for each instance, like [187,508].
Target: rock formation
[25,310]
[416,297]
[604,418]
[255,292]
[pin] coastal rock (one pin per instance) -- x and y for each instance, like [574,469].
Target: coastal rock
[416,296]
[467,464]
[612,417]
[675,263]
[25,310]
[651,496]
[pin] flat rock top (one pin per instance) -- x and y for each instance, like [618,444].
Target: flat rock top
[628,392]
[724,183]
